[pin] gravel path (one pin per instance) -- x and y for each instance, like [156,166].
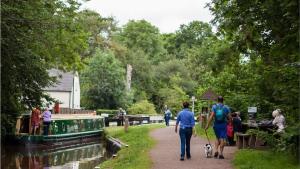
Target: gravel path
[166,153]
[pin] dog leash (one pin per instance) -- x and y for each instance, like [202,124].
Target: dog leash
[207,137]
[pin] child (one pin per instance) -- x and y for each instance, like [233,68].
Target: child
[230,134]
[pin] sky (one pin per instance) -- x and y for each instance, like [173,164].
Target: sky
[167,15]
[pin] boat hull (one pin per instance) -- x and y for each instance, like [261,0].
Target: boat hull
[64,130]
[57,141]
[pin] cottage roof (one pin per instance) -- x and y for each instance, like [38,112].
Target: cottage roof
[209,95]
[64,81]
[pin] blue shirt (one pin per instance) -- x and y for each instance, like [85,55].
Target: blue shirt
[168,113]
[225,109]
[186,118]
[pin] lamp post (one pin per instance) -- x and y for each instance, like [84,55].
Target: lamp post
[193,101]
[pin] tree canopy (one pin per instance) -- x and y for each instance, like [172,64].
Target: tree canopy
[35,36]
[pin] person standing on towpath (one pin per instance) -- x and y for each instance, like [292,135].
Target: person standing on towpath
[187,123]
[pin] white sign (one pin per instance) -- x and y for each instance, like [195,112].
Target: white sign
[193,98]
[252,109]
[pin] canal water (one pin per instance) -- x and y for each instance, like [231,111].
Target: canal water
[80,157]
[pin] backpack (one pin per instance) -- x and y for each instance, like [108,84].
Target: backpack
[220,114]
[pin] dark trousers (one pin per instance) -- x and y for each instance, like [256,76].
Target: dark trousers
[231,141]
[167,119]
[121,119]
[46,125]
[185,139]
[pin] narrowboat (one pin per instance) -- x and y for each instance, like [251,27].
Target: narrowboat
[65,129]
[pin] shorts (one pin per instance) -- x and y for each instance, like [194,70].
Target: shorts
[220,130]
[35,124]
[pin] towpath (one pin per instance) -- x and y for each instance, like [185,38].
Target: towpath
[166,153]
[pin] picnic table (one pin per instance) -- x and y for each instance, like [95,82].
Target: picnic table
[245,140]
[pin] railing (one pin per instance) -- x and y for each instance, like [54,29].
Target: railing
[139,119]
[74,111]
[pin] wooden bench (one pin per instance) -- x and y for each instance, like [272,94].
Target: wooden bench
[246,140]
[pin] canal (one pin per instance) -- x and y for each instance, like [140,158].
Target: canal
[87,156]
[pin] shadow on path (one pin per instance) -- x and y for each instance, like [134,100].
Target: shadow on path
[166,153]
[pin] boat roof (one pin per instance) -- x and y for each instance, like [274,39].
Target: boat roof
[74,116]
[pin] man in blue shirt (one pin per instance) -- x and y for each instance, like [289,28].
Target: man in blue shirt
[219,112]
[187,123]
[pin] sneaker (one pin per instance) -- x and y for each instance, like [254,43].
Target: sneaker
[216,154]
[181,158]
[188,157]
[221,157]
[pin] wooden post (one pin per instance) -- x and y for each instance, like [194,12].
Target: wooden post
[18,125]
[126,123]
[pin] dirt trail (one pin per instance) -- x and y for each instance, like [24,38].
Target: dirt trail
[166,153]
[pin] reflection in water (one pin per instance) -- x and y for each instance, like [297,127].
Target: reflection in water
[84,157]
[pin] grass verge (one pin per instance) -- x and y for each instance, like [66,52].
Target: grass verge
[201,132]
[258,159]
[137,154]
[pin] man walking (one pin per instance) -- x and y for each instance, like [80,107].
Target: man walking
[219,113]
[168,115]
[187,123]
[121,115]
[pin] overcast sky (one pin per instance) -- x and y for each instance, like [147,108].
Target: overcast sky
[167,15]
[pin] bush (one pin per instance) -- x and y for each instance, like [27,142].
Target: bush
[287,142]
[142,107]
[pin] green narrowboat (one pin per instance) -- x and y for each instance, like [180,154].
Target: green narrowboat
[64,129]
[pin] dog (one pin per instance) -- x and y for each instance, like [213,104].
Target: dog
[208,150]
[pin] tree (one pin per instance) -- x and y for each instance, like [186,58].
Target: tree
[100,30]
[172,97]
[187,37]
[267,32]
[193,34]
[36,36]
[141,35]
[212,56]
[270,28]
[174,73]
[103,82]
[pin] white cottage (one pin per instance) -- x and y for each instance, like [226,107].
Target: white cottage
[66,90]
